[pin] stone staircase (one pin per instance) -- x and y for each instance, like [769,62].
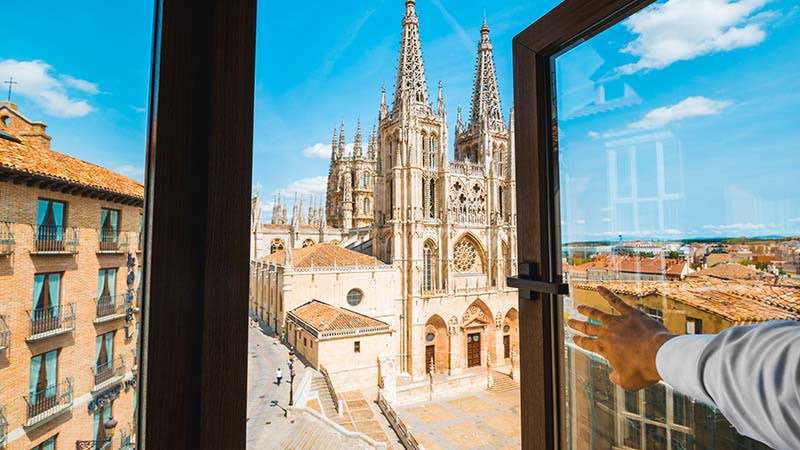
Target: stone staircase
[311,433]
[503,383]
[327,405]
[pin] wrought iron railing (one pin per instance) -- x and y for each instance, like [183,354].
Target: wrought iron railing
[6,238]
[55,239]
[126,441]
[108,370]
[5,334]
[3,426]
[112,241]
[111,305]
[104,444]
[45,320]
[41,404]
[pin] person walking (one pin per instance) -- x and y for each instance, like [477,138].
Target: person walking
[278,376]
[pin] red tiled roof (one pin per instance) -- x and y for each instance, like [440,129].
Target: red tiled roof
[323,317]
[324,255]
[732,271]
[39,161]
[633,264]
[739,301]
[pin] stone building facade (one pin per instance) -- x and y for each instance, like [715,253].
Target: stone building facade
[350,194]
[70,268]
[449,225]
[445,230]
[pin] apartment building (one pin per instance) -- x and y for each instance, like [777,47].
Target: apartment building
[70,272]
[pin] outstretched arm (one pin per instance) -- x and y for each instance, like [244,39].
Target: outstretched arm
[750,373]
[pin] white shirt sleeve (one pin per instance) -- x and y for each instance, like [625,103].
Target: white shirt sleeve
[750,373]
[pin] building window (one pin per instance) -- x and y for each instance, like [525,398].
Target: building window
[49,444]
[429,267]
[466,257]
[109,226]
[50,223]
[354,297]
[357,347]
[106,288]
[104,357]
[366,205]
[305,343]
[694,326]
[276,245]
[42,383]
[46,313]
[101,416]
[653,312]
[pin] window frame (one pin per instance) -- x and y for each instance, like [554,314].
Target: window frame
[543,424]
[197,223]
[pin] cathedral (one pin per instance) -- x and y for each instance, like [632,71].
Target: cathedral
[445,230]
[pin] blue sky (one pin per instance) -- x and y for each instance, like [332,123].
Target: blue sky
[715,82]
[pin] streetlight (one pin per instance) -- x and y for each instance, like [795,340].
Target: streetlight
[291,380]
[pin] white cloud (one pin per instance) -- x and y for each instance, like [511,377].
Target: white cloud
[740,227]
[689,107]
[323,151]
[50,92]
[131,171]
[304,188]
[594,135]
[681,30]
[81,85]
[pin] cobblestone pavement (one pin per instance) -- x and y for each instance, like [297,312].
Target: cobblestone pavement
[266,424]
[482,419]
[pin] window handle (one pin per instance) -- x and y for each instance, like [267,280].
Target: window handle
[528,283]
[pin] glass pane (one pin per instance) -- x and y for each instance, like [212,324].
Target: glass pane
[72,143]
[667,199]
[383,226]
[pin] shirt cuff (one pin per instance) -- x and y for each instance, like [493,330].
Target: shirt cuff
[679,363]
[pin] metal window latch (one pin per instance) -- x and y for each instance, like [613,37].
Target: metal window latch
[527,283]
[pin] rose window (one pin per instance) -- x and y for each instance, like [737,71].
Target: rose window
[465,257]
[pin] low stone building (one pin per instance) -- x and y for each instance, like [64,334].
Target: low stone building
[70,268]
[343,344]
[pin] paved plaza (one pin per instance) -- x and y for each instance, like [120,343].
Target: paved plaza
[485,419]
[266,424]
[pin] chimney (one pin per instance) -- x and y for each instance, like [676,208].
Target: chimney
[29,132]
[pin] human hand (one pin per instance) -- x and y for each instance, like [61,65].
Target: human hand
[629,341]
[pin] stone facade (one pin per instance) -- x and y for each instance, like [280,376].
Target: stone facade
[350,195]
[449,225]
[447,229]
[78,390]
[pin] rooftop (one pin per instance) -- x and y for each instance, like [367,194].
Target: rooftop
[324,255]
[632,264]
[326,319]
[737,301]
[28,156]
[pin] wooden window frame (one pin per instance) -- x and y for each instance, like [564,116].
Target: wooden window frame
[197,218]
[538,225]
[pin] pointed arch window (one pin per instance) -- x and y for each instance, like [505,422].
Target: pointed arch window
[277,245]
[467,256]
[429,267]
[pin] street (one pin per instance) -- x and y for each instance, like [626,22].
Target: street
[266,402]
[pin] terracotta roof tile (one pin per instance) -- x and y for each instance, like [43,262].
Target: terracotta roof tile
[732,271]
[738,301]
[633,264]
[324,255]
[40,161]
[327,318]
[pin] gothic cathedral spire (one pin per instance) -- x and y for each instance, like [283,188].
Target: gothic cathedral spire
[411,85]
[340,150]
[357,145]
[485,96]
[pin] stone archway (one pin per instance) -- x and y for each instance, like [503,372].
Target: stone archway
[436,345]
[479,331]
[510,334]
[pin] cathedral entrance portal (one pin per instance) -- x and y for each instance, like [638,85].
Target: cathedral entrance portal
[473,349]
[430,358]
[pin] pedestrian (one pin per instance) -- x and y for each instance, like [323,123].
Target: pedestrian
[278,376]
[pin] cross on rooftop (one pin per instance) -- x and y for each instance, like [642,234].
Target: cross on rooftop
[10,82]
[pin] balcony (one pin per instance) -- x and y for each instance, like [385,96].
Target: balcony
[55,240]
[53,321]
[111,307]
[112,242]
[6,238]
[108,374]
[3,426]
[5,335]
[48,403]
